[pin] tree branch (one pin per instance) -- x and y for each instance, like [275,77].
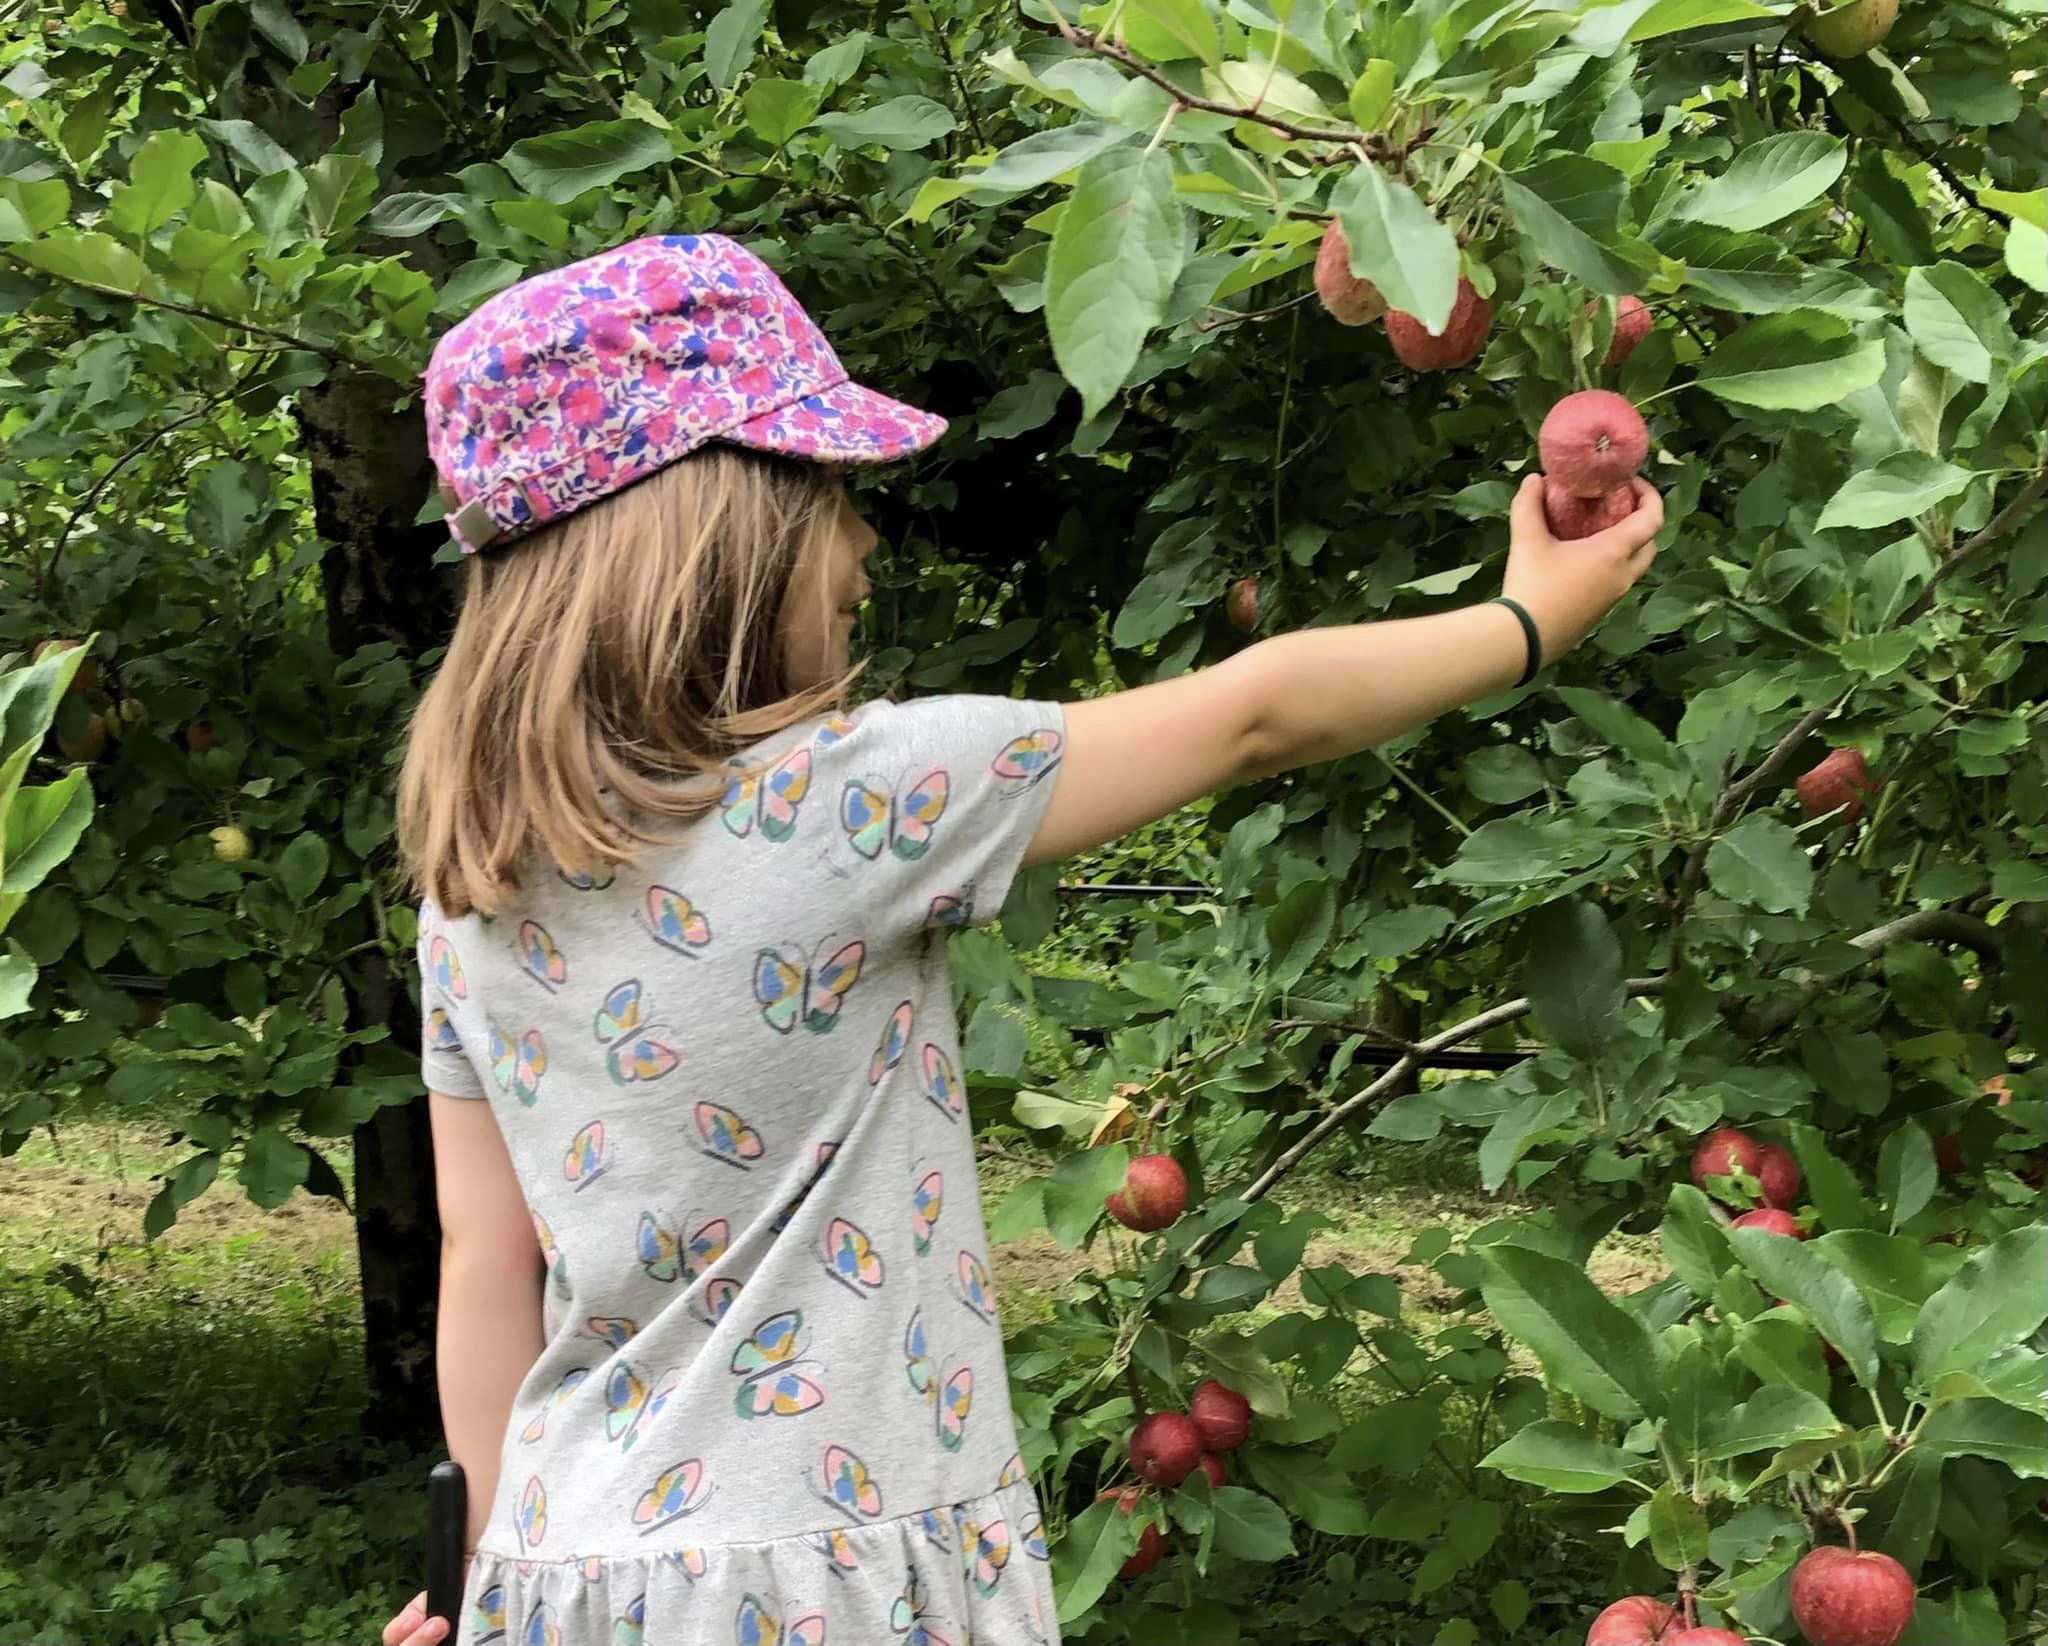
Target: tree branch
[1942,925]
[2001,523]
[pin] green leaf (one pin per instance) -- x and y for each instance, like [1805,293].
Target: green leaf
[1762,863]
[1675,16]
[732,39]
[93,259]
[1509,1602]
[1098,1540]
[1044,155]
[1905,1172]
[1570,208]
[1619,725]
[1958,321]
[1371,92]
[1801,360]
[1777,1415]
[1251,1526]
[1993,1301]
[1560,1458]
[1297,928]
[1398,244]
[1077,1188]
[1115,256]
[1788,1270]
[1589,1346]
[1502,774]
[1896,1273]
[159,182]
[777,110]
[1678,1529]
[1902,485]
[1163,30]
[407,213]
[259,152]
[908,122]
[17,979]
[301,867]
[1695,1242]
[561,165]
[1519,1128]
[43,825]
[1574,977]
[1769,180]
[1989,1428]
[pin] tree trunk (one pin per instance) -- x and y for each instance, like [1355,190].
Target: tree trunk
[370,474]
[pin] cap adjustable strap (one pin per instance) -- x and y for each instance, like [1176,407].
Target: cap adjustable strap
[474,521]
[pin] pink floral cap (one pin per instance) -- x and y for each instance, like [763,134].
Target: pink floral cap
[573,384]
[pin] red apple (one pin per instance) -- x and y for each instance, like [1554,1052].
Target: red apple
[1843,780]
[1845,1598]
[1463,336]
[1721,1151]
[1777,1173]
[1771,1220]
[1241,605]
[199,737]
[1703,1637]
[1571,517]
[1165,1447]
[1948,1152]
[1155,1192]
[1635,1620]
[1151,1540]
[1350,300]
[1223,1417]
[1851,30]
[1631,325]
[1591,442]
[1212,1466]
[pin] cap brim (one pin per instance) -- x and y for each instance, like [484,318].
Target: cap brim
[843,424]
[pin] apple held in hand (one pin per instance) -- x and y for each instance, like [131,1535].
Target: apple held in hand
[1155,1192]
[1722,1152]
[1634,1620]
[1571,517]
[1165,1448]
[1222,1417]
[1841,780]
[1350,300]
[1591,442]
[1845,1597]
[1463,336]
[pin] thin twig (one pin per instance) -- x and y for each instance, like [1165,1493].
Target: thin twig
[1232,317]
[2002,522]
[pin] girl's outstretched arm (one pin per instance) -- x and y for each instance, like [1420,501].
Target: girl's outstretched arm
[1320,694]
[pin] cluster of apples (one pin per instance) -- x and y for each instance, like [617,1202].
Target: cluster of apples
[104,724]
[1355,302]
[1840,1597]
[1167,1447]
[1591,445]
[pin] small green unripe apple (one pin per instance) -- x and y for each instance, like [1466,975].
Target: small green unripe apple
[230,842]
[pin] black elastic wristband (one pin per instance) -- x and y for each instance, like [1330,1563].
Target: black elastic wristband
[1528,633]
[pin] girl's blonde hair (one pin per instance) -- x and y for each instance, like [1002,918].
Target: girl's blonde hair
[634,643]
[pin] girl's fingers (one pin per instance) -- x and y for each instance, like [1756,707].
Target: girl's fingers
[400,1630]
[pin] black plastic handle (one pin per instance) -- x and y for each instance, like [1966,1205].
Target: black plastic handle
[447,1520]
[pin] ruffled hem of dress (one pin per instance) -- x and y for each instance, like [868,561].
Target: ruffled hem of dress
[972,1573]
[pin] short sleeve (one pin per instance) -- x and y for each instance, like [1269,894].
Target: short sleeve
[444,1066]
[965,781]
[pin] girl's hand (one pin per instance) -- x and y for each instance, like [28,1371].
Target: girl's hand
[412,1627]
[1569,586]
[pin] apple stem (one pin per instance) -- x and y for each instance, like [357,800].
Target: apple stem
[1688,1580]
[1849,1530]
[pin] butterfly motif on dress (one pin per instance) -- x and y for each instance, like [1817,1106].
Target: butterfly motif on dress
[900,819]
[843,1482]
[948,911]
[557,1263]
[942,1083]
[557,1396]
[1032,1535]
[793,991]
[768,797]
[1013,1472]
[630,1404]
[634,1046]
[823,1158]
[991,1555]
[617,1330]
[726,1136]
[678,1490]
[586,882]
[1022,761]
[689,1560]
[446,966]
[949,1399]
[441,1035]
[586,1161]
[674,922]
[715,1299]
[837,1548]
[664,1255]
[517,1065]
[541,1629]
[895,1041]
[487,1616]
[850,1259]
[538,954]
[766,1362]
[926,1201]
[834,728]
[531,1522]
[937,1530]
[757,1623]
[971,1286]
[907,1615]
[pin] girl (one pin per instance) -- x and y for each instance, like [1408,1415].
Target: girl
[718,1351]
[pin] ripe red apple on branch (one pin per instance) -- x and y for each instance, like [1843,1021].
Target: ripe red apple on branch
[1703,1636]
[1842,779]
[1151,1540]
[1851,1597]
[1463,336]
[1241,605]
[1632,322]
[1721,1153]
[1777,1173]
[1771,1220]
[1634,1620]
[1155,1192]
[1166,1447]
[1222,1417]
[1350,300]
